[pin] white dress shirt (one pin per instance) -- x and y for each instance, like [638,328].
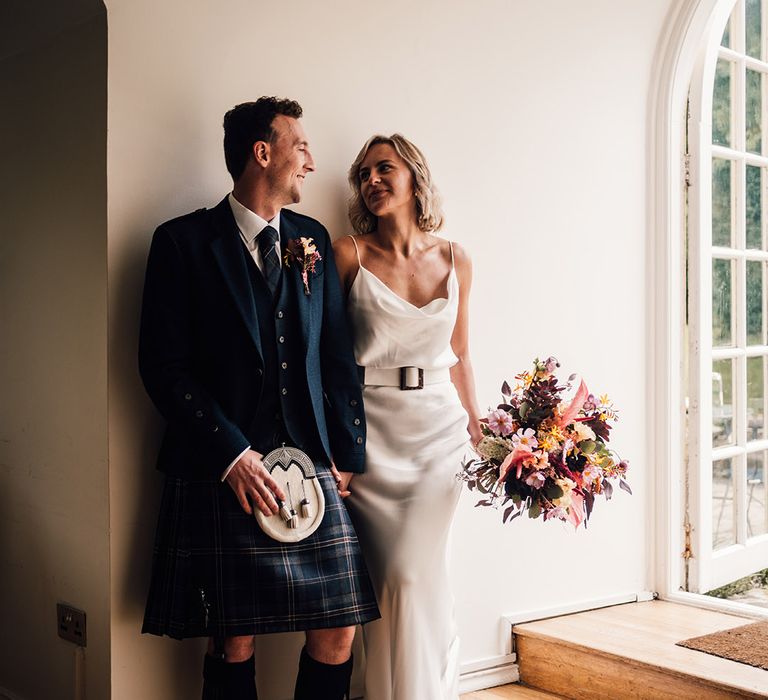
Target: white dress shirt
[251,225]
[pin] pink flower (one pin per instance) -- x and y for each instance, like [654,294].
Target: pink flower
[542,459]
[535,479]
[500,422]
[525,438]
[558,512]
[591,474]
[576,510]
[582,393]
[514,459]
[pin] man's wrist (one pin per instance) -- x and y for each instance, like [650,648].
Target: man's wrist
[234,462]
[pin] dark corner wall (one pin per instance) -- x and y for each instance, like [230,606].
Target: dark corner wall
[54,512]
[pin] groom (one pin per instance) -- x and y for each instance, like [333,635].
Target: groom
[241,353]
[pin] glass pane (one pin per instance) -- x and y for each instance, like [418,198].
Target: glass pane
[754,302]
[755,398]
[722,403]
[721,104]
[757,515]
[722,300]
[721,202]
[754,207]
[723,532]
[754,110]
[726,40]
[753,42]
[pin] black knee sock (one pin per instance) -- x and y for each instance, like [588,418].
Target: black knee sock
[229,681]
[319,681]
[212,678]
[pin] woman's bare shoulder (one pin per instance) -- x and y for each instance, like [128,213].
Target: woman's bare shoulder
[460,255]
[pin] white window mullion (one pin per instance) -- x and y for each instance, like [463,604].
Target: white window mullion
[729,353]
[759,446]
[700,341]
[738,463]
[733,254]
[727,452]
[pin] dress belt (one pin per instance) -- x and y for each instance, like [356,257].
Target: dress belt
[406,378]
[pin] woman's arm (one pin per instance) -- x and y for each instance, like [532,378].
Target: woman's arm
[462,375]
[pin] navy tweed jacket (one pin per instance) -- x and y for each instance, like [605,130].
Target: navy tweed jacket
[200,351]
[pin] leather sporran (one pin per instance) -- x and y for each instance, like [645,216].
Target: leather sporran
[302,510]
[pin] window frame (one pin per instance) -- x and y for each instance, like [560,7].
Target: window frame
[693,27]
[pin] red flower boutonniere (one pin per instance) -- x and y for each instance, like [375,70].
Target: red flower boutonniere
[303,252]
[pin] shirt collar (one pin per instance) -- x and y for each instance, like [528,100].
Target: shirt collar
[250,223]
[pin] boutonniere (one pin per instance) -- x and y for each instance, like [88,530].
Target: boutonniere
[303,252]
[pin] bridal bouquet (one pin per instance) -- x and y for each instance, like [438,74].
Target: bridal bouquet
[544,454]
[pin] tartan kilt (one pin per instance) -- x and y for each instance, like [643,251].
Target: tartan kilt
[215,572]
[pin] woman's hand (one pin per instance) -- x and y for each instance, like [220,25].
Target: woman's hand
[343,479]
[475,434]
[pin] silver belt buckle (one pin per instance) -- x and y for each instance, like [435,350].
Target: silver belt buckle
[404,386]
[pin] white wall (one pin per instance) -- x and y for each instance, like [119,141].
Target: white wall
[54,510]
[533,117]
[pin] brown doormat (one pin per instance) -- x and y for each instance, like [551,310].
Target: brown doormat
[747,644]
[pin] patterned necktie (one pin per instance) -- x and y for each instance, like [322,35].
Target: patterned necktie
[267,239]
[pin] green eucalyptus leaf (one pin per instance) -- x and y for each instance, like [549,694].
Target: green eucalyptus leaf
[553,491]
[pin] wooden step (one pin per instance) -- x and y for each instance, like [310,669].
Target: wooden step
[513,691]
[628,651]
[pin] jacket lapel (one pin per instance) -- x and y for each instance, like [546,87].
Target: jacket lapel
[289,232]
[229,254]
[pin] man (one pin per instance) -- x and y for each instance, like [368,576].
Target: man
[241,354]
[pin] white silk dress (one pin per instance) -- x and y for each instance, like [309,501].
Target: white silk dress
[403,505]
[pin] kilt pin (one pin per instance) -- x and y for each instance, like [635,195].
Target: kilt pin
[228,364]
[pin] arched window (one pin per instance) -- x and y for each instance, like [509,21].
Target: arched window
[726,321]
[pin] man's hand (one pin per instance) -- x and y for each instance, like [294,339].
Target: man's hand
[252,483]
[343,480]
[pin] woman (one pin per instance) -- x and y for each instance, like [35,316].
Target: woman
[407,293]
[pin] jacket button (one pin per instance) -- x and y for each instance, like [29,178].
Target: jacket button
[215,428]
[280,314]
[353,402]
[198,414]
[359,441]
[281,339]
[356,421]
[284,365]
[188,397]
[259,371]
[284,392]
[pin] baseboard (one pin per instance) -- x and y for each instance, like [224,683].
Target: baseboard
[518,618]
[488,673]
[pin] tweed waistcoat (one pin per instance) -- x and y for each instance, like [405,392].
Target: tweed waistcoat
[284,411]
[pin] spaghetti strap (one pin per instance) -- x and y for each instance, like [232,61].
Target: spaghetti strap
[453,264]
[357,250]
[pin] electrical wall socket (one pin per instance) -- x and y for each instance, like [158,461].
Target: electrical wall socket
[71,624]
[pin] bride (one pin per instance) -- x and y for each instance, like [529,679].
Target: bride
[407,294]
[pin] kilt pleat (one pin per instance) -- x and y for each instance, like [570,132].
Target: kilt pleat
[215,572]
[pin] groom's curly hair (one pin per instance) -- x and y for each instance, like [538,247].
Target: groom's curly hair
[249,122]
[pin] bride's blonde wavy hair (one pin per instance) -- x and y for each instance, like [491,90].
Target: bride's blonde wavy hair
[429,211]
